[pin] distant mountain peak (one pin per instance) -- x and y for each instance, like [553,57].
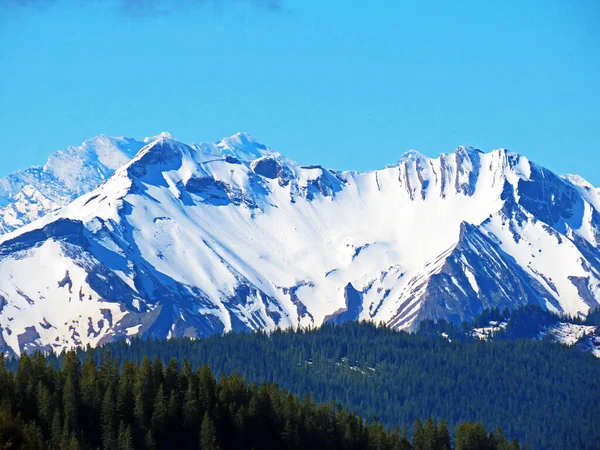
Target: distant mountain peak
[467,149]
[411,155]
[162,135]
[240,146]
[239,138]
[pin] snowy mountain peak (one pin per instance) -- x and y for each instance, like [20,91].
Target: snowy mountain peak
[239,139]
[66,175]
[244,147]
[101,154]
[69,173]
[189,240]
[240,146]
[163,135]
[411,155]
[467,151]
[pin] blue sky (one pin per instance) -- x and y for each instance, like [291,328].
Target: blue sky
[351,85]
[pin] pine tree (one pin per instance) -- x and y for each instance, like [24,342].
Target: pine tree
[149,441]
[171,376]
[108,372]
[514,445]
[240,430]
[191,414]
[418,438]
[159,417]
[44,406]
[173,420]
[71,442]
[11,430]
[71,366]
[56,430]
[108,420]
[91,398]
[144,394]
[430,435]
[23,395]
[126,396]
[34,437]
[6,383]
[70,400]
[207,387]
[471,436]
[501,441]
[71,393]
[443,437]
[208,434]
[125,437]
[158,372]
[401,441]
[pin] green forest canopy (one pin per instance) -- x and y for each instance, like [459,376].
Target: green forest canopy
[544,394]
[149,406]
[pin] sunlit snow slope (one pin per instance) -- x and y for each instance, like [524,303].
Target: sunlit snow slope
[193,240]
[29,194]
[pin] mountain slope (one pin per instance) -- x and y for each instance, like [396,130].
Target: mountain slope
[29,194]
[194,240]
[32,193]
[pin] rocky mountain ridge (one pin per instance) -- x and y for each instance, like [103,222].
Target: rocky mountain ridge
[190,240]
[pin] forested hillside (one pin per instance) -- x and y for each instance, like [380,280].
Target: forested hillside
[149,406]
[528,322]
[545,394]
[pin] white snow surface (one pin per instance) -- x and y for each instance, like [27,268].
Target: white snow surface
[568,333]
[191,240]
[484,333]
[29,194]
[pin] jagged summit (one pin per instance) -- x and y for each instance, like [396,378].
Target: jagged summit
[239,139]
[241,146]
[66,175]
[415,155]
[162,135]
[69,173]
[189,240]
[467,149]
[411,155]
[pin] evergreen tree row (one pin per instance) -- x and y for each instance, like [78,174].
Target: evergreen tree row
[150,406]
[546,395]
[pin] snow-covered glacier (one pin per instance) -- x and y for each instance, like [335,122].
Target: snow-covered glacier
[190,240]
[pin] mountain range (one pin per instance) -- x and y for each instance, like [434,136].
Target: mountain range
[157,238]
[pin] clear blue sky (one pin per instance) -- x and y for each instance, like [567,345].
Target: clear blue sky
[347,84]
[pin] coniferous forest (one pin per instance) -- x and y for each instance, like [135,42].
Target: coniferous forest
[544,394]
[150,406]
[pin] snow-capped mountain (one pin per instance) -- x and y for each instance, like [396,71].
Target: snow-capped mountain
[193,240]
[32,193]
[29,194]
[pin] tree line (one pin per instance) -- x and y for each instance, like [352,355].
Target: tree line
[148,406]
[544,394]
